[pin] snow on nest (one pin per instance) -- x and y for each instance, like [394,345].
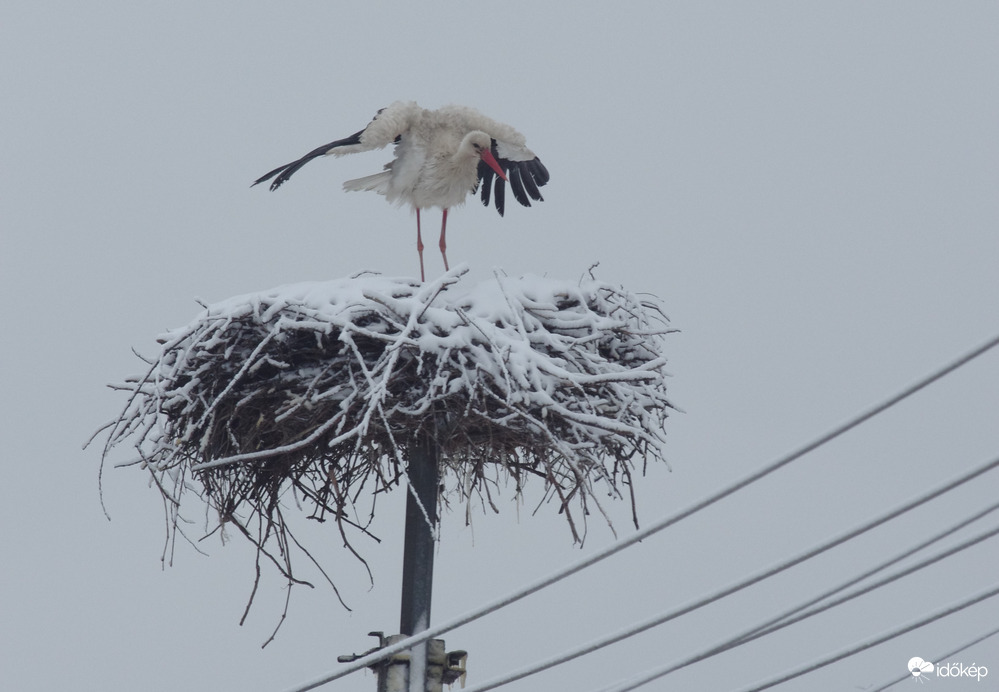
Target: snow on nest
[321,387]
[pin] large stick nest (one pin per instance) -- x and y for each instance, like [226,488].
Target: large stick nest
[318,389]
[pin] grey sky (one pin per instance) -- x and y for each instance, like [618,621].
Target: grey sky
[812,190]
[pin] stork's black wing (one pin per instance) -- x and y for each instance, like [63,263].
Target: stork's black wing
[525,179]
[374,136]
[286,171]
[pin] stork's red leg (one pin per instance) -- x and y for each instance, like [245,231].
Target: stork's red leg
[419,245]
[443,243]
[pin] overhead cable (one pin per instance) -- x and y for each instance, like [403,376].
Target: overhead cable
[770,625]
[874,641]
[853,649]
[783,621]
[888,563]
[943,657]
[617,546]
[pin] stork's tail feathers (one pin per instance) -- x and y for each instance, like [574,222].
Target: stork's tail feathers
[379,182]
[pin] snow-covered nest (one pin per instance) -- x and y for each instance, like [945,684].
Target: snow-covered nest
[311,393]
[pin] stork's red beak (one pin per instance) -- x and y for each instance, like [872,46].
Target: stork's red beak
[488,157]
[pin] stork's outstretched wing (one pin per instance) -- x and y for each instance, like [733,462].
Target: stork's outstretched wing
[522,167]
[287,170]
[387,127]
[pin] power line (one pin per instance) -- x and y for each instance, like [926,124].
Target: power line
[749,581]
[966,645]
[617,546]
[888,563]
[803,613]
[782,621]
[874,641]
[649,676]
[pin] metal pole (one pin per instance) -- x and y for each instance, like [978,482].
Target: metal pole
[418,553]
[427,666]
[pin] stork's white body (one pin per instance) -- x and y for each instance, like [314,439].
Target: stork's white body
[441,157]
[432,168]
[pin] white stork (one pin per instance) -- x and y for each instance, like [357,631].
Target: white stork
[440,157]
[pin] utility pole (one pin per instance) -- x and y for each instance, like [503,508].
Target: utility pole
[418,553]
[425,667]
[421,520]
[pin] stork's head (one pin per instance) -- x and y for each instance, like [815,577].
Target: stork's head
[481,143]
